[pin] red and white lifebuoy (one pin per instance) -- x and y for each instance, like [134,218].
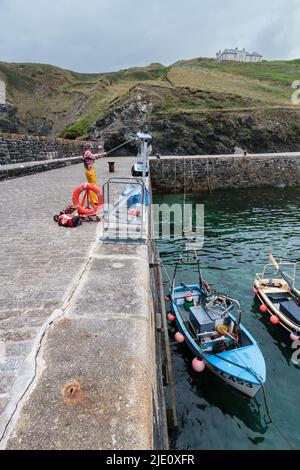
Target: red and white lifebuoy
[91,207]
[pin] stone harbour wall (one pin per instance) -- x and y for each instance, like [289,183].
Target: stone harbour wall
[209,173]
[17,148]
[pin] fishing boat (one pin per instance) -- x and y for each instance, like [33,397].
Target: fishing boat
[275,288]
[210,325]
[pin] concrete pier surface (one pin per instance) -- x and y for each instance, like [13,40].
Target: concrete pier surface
[76,324]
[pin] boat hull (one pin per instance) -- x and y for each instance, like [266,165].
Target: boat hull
[286,323]
[243,386]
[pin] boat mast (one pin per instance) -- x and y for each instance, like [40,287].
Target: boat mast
[199,270]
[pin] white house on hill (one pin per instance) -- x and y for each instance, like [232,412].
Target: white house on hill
[2,92]
[239,55]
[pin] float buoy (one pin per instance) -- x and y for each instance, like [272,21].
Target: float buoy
[198,364]
[295,336]
[134,212]
[274,320]
[255,291]
[179,337]
[171,316]
[263,308]
[86,205]
[167,298]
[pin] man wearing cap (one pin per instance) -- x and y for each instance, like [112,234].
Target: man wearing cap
[89,166]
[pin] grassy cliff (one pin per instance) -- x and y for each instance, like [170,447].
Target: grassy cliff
[49,100]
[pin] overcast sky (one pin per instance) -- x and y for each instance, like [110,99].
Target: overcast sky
[106,35]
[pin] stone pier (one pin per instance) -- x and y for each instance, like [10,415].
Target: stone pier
[212,172]
[77,336]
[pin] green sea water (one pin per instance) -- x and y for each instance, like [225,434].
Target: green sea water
[241,228]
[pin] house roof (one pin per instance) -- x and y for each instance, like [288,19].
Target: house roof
[229,51]
[237,51]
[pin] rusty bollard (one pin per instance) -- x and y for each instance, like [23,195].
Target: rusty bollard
[111,167]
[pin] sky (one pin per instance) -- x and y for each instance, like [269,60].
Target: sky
[108,35]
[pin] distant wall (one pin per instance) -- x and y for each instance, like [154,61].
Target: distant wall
[16,148]
[209,173]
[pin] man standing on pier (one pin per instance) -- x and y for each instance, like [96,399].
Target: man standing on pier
[89,166]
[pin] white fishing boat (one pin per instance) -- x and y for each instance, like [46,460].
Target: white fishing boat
[275,288]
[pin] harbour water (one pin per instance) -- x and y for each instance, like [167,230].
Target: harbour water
[241,228]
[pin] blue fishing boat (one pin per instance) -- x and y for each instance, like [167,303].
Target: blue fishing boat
[210,324]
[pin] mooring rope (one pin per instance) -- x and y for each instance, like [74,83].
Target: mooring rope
[271,420]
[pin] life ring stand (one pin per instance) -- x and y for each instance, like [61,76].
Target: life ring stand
[85,205]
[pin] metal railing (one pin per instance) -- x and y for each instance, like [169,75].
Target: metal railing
[117,225]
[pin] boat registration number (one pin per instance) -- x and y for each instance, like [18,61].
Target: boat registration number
[234,379]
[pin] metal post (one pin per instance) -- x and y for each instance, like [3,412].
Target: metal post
[145,157]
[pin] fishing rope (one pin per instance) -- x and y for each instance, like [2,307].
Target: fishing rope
[268,414]
[166,273]
[122,145]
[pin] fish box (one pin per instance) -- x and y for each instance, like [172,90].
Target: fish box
[200,320]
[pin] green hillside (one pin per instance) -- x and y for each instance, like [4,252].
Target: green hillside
[49,100]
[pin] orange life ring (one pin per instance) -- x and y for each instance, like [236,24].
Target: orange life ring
[86,206]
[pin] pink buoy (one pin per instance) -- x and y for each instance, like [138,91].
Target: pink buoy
[274,320]
[134,212]
[295,336]
[198,364]
[263,308]
[255,291]
[171,316]
[179,337]
[167,298]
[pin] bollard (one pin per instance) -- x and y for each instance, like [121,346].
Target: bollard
[111,167]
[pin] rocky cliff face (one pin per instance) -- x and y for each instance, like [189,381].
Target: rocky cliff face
[196,133]
[121,122]
[192,107]
[9,121]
